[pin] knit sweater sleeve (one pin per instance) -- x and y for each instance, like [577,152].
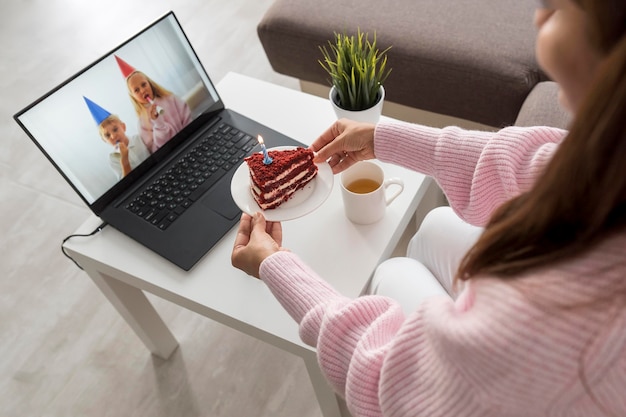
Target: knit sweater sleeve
[497,350]
[351,336]
[446,356]
[477,171]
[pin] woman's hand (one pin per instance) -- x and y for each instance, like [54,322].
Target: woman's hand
[345,143]
[256,240]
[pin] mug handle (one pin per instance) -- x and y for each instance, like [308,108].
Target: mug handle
[389,182]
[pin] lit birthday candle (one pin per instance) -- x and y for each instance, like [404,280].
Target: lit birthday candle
[266,158]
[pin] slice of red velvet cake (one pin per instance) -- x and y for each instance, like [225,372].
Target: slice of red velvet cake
[275,183]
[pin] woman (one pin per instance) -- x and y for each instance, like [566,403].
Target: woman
[539,327]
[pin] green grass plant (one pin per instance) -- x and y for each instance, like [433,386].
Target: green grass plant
[357,69]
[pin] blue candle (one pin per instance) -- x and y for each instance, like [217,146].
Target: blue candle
[266,158]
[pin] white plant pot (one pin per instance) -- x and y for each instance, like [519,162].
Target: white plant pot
[371,115]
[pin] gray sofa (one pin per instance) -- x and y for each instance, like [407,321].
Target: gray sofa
[472,60]
[542,108]
[466,60]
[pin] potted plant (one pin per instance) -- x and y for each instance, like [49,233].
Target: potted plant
[358,70]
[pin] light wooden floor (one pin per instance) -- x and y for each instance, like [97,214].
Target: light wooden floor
[64,351]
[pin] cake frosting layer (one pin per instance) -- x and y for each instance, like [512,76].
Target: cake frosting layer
[273,184]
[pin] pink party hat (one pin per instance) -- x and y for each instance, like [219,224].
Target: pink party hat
[97,112]
[125,67]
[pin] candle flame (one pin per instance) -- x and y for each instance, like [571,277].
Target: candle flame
[260,139]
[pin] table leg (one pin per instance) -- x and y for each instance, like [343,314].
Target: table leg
[138,312]
[331,404]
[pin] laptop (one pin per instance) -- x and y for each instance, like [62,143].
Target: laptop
[145,140]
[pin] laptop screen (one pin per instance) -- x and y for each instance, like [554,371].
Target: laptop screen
[121,112]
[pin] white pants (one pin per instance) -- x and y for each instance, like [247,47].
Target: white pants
[433,256]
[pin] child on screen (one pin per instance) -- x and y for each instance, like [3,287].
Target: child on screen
[161,113]
[128,152]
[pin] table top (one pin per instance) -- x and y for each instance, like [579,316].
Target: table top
[343,253]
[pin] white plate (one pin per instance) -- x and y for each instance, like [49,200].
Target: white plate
[301,203]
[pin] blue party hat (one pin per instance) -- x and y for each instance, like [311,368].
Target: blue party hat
[97,112]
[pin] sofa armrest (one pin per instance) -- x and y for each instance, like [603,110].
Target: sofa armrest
[542,108]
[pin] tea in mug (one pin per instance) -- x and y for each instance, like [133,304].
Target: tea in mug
[363,186]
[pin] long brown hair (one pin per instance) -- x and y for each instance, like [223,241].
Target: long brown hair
[580,199]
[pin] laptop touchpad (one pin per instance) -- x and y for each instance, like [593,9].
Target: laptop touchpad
[220,201]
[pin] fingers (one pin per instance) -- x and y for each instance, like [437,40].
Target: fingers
[244,231]
[256,240]
[153,111]
[345,143]
[341,164]
[273,229]
[250,225]
[332,150]
[260,223]
[325,138]
[276,232]
[326,145]
[242,256]
[340,161]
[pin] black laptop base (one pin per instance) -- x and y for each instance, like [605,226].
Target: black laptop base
[211,219]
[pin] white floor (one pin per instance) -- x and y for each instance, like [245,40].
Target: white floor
[64,350]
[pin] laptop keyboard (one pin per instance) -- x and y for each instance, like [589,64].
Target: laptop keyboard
[169,195]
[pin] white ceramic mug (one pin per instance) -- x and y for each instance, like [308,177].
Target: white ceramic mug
[365,192]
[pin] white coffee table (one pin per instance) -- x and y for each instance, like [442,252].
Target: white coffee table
[343,253]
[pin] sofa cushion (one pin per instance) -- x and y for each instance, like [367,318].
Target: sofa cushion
[473,60]
[542,108]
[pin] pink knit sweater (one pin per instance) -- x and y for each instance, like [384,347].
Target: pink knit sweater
[535,346]
[176,115]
